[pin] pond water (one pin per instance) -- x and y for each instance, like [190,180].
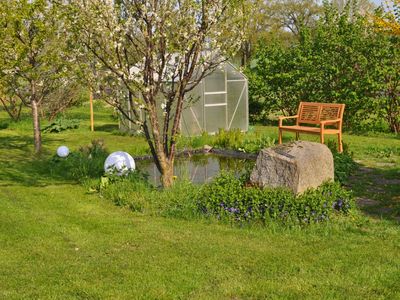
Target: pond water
[198,168]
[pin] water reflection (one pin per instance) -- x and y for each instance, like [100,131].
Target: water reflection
[198,168]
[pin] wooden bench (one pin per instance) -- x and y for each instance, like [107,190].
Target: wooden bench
[320,115]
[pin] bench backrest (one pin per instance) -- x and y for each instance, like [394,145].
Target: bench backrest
[314,113]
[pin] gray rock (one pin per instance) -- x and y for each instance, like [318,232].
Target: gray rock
[207,148]
[298,166]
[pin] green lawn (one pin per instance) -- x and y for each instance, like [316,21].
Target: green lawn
[59,242]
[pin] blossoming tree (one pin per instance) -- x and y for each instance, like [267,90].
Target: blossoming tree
[152,54]
[33,69]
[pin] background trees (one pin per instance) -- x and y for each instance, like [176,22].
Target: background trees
[293,15]
[342,59]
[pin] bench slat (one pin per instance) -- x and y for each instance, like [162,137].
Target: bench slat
[309,114]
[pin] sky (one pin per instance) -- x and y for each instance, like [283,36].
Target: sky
[377,2]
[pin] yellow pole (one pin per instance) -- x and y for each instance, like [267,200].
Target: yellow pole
[91,111]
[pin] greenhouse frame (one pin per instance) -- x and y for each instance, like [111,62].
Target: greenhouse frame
[219,101]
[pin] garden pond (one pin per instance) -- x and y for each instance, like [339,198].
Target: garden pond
[199,168]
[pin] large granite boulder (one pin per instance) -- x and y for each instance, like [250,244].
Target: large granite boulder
[298,166]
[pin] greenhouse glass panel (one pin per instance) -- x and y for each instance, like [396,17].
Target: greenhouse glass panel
[235,97]
[192,122]
[233,73]
[215,118]
[215,82]
[215,99]
[237,105]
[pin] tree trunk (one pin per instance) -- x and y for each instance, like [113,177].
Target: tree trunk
[394,125]
[37,137]
[166,168]
[245,53]
[167,175]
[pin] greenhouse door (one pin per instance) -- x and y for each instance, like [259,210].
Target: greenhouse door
[215,101]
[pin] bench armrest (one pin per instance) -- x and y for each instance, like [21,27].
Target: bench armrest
[328,122]
[281,118]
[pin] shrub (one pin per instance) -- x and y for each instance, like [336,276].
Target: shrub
[177,201]
[134,191]
[229,139]
[87,162]
[61,124]
[228,198]
[194,142]
[235,140]
[256,144]
[343,162]
[129,190]
[3,125]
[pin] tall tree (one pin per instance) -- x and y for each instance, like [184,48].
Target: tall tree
[156,52]
[255,25]
[32,65]
[292,15]
[357,6]
[266,21]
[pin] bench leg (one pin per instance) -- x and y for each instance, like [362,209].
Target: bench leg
[280,137]
[297,136]
[322,138]
[340,143]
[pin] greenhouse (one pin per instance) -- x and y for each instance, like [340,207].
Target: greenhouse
[219,101]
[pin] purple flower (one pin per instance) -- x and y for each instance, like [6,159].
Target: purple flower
[338,205]
[233,210]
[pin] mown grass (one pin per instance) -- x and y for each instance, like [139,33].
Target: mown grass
[60,242]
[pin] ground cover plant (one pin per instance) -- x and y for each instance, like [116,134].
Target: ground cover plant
[227,197]
[61,124]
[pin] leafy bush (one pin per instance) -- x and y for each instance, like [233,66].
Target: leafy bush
[61,124]
[177,201]
[257,144]
[134,191]
[343,162]
[194,142]
[228,198]
[129,190]
[229,139]
[235,140]
[87,162]
[3,125]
